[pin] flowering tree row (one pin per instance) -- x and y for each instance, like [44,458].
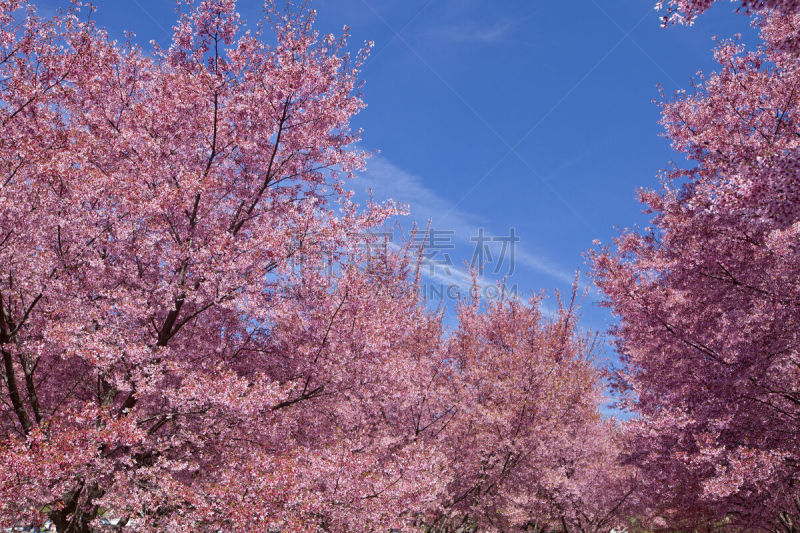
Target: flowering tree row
[200,331]
[199,334]
[708,297]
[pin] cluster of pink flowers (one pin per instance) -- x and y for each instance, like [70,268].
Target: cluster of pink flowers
[685,11]
[199,333]
[707,296]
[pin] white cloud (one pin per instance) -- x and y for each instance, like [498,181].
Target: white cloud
[389,182]
[472,31]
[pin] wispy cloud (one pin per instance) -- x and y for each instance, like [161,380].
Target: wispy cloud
[387,181]
[474,31]
[469,22]
[544,266]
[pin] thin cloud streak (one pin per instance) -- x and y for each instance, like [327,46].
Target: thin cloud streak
[387,181]
[473,31]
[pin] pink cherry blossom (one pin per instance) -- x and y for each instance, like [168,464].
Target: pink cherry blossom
[200,331]
[707,297]
[196,330]
[685,11]
[527,443]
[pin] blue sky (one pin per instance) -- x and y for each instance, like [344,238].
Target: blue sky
[531,115]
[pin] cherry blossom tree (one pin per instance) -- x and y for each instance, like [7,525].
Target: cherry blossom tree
[200,331]
[707,297]
[196,331]
[528,447]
